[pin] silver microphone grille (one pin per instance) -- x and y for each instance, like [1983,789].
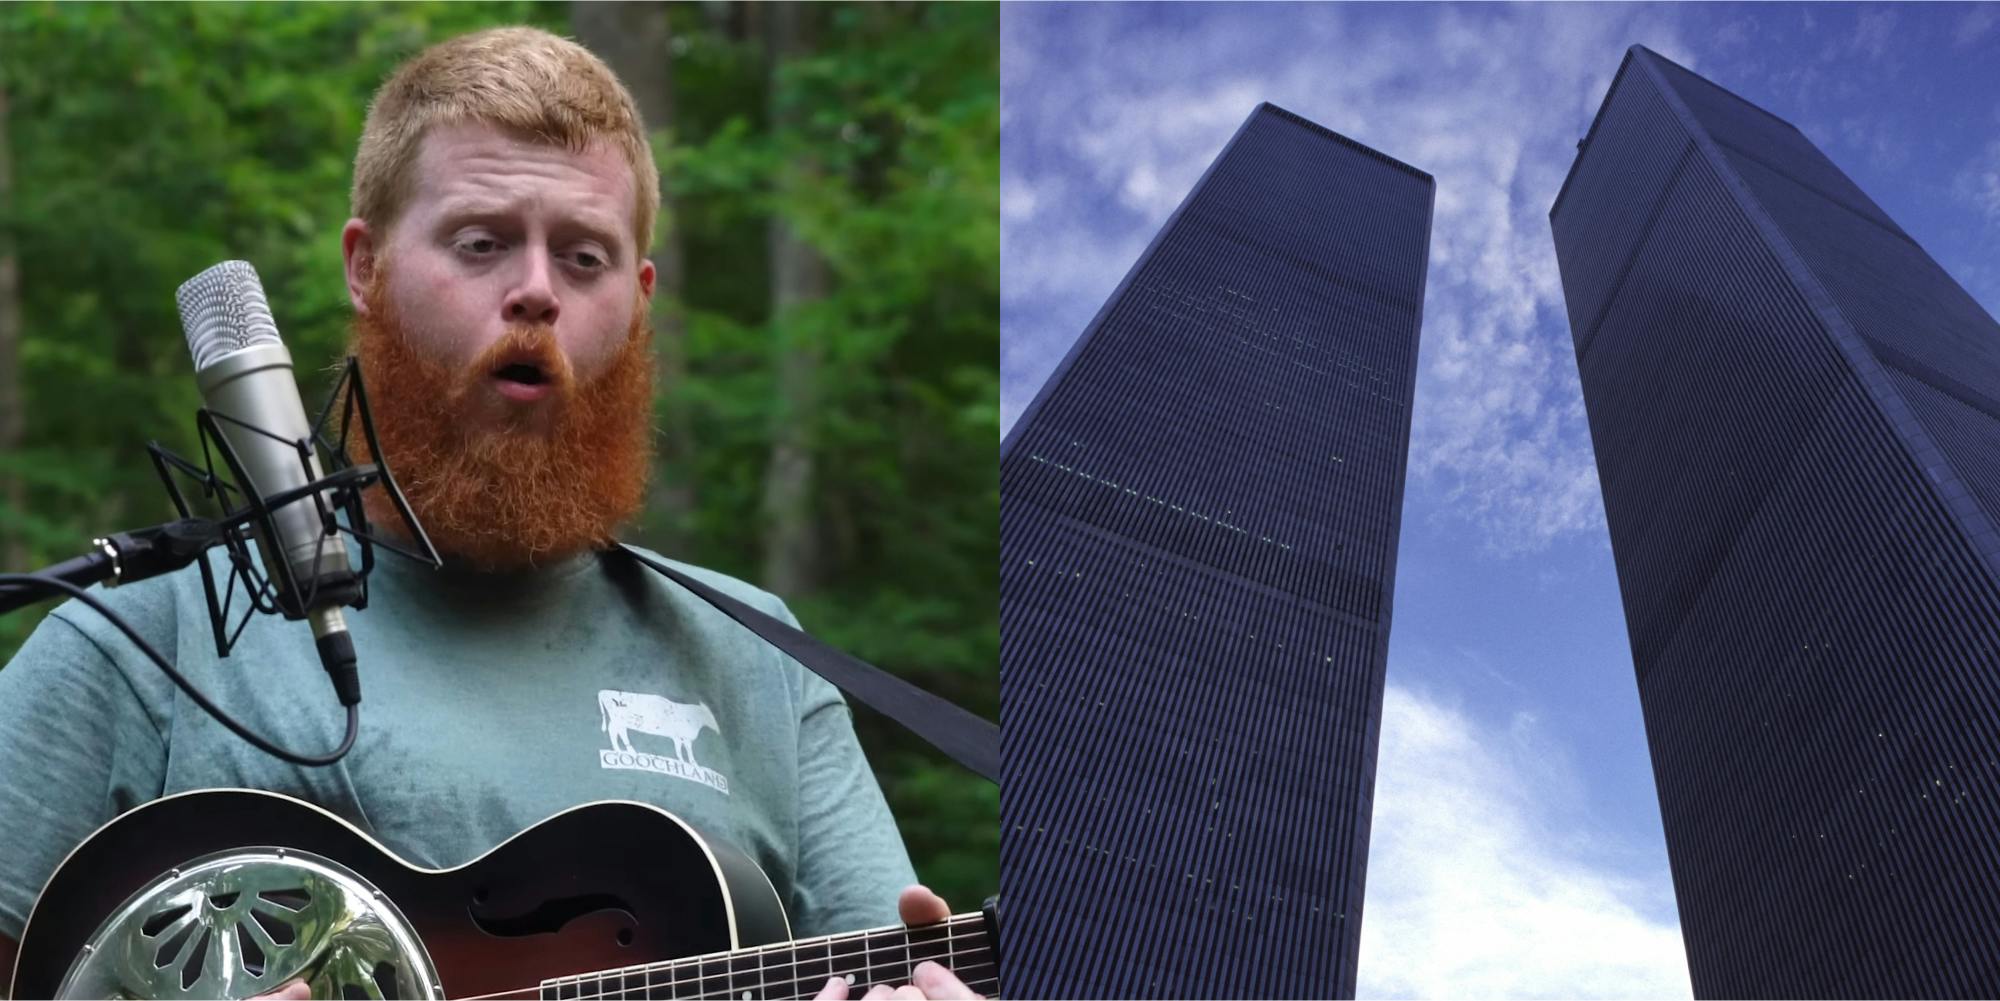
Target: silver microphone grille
[224,310]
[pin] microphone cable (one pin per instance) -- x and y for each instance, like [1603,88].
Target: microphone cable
[29,580]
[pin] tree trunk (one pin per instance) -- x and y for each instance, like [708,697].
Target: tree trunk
[636,41]
[799,276]
[13,415]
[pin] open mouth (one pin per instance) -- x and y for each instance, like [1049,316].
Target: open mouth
[527,375]
[524,382]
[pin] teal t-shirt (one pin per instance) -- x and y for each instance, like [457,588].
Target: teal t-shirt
[489,702]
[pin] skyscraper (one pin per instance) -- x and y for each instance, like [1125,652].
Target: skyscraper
[1199,514]
[1796,414]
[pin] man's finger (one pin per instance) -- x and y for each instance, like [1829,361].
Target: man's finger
[878,993]
[835,990]
[940,984]
[292,990]
[908,993]
[919,906]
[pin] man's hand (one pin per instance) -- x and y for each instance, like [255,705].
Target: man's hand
[918,906]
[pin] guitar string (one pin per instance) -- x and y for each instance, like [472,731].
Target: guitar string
[867,939]
[558,985]
[734,978]
[950,925]
[986,984]
[953,922]
[794,988]
[959,963]
[952,935]
[828,940]
[791,986]
[965,971]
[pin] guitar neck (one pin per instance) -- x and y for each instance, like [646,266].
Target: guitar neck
[799,969]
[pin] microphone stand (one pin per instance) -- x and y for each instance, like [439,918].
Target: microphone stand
[124,557]
[127,557]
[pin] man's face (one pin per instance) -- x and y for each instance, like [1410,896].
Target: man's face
[499,233]
[501,331]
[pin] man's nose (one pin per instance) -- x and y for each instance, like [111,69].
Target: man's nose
[533,297]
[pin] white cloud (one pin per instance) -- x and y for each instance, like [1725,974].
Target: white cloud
[1873,27]
[1018,199]
[1978,183]
[1735,33]
[1478,887]
[1979,20]
[1491,102]
[1055,270]
[1499,423]
[1875,136]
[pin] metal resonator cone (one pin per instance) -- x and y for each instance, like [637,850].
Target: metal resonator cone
[243,922]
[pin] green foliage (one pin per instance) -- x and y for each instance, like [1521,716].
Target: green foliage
[897,113]
[150,140]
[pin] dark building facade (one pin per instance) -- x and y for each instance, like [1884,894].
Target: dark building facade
[1199,515]
[1796,415]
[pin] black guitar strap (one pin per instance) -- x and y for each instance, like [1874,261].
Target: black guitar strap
[965,738]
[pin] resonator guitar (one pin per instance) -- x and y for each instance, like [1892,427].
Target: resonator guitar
[232,893]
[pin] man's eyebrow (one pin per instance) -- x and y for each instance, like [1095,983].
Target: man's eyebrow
[593,224]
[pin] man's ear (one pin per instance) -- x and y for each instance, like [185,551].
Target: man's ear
[646,276]
[357,251]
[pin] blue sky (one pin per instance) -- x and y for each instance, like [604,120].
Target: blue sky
[1517,848]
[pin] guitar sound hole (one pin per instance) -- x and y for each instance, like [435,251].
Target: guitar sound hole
[253,954]
[192,971]
[164,918]
[172,946]
[294,899]
[385,979]
[279,929]
[550,916]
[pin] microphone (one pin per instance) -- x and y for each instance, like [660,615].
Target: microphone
[245,376]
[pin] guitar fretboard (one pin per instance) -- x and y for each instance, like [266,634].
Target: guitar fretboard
[799,969]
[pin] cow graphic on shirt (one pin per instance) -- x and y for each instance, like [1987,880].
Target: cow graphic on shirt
[622,713]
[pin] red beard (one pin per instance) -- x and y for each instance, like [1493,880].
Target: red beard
[521,494]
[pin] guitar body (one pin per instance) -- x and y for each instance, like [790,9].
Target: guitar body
[602,886]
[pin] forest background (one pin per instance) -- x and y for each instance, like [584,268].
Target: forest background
[826,317]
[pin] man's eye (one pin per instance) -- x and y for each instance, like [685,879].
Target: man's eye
[589,261]
[479,246]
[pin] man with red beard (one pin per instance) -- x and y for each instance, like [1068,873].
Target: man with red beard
[504,198]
